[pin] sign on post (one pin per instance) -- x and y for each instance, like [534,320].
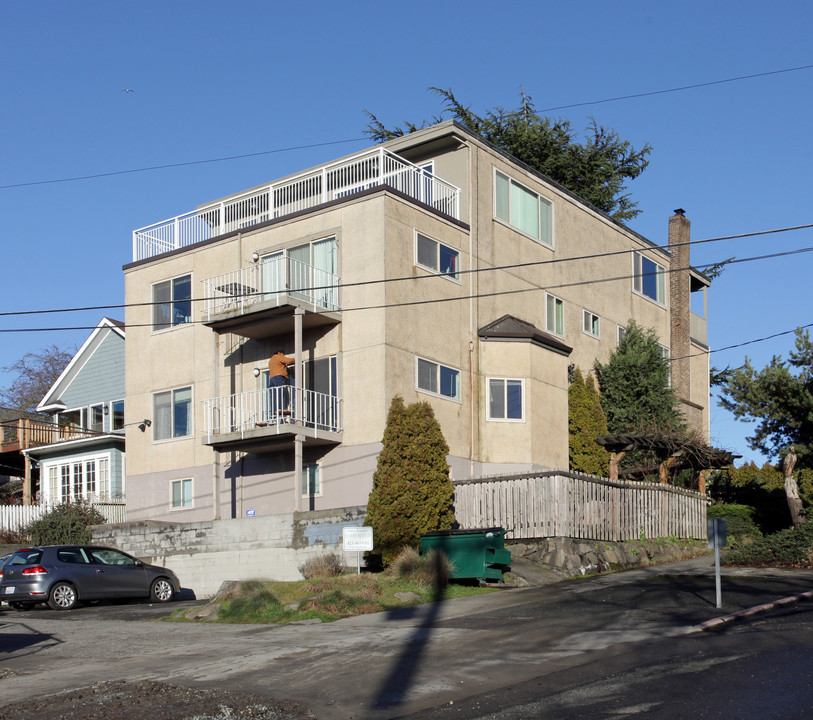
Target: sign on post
[717,539]
[358,538]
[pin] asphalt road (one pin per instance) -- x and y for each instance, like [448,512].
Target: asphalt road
[622,645]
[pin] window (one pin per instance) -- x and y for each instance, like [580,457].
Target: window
[97,418]
[117,412]
[90,473]
[104,479]
[53,487]
[555,314]
[433,256]
[172,414]
[182,493]
[523,209]
[590,323]
[506,399]
[172,302]
[65,477]
[311,484]
[438,379]
[622,331]
[648,278]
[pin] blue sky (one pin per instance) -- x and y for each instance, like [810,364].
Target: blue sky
[213,80]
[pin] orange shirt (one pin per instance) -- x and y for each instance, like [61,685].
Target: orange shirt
[278,365]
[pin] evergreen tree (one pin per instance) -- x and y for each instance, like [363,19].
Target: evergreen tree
[412,493]
[596,170]
[586,422]
[635,391]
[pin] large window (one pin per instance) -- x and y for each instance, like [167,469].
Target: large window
[83,478]
[172,413]
[648,278]
[311,482]
[181,493]
[523,209]
[555,315]
[172,302]
[506,399]
[438,379]
[436,257]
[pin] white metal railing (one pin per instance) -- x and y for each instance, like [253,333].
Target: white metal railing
[272,408]
[15,517]
[273,281]
[370,168]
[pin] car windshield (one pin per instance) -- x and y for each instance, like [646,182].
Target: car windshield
[26,557]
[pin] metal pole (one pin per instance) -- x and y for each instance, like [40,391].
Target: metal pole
[717,572]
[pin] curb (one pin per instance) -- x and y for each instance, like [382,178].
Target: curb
[717,622]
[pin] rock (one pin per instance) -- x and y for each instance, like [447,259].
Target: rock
[408,597]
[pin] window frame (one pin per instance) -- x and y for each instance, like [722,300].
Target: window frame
[557,302]
[594,321]
[640,276]
[316,467]
[505,382]
[171,303]
[454,275]
[172,421]
[545,211]
[438,379]
[114,415]
[182,483]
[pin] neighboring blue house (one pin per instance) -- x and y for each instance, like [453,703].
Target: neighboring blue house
[83,454]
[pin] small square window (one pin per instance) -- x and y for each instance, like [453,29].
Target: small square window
[506,399]
[181,493]
[438,379]
[311,480]
[591,323]
[436,257]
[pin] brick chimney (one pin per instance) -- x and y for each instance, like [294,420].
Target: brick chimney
[680,305]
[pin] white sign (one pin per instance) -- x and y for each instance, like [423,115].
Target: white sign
[359,539]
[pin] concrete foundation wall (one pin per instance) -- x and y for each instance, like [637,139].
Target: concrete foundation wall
[205,554]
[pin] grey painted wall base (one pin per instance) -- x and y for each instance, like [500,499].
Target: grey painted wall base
[206,554]
[539,562]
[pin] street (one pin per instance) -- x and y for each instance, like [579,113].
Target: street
[619,645]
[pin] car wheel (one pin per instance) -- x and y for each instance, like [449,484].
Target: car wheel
[161,590]
[62,597]
[21,605]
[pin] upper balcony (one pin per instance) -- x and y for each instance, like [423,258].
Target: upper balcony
[324,184]
[256,301]
[24,434]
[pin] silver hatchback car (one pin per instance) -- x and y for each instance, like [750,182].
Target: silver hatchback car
[63,575]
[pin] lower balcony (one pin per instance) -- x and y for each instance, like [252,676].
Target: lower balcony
[270,419]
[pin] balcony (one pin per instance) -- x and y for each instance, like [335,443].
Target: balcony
[24,434]
[256,301]
[270,418]
[371,168]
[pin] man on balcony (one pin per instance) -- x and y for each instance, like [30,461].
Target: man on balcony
[278,383]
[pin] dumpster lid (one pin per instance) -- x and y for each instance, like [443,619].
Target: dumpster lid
[464,531]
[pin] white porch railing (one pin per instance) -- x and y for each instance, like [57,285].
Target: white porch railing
[330,182]
[271,281]
[273,408]
[14,517]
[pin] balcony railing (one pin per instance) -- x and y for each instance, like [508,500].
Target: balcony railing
[274,409]
[307,190]
[23,434]
[273,281]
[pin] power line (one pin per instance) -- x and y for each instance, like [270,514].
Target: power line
[513,266]
[678,89]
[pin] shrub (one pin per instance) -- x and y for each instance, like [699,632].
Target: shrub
[429,570]
[787,548]
[740,526]
[586,422]
[65,524]
[412,492]
[327,565]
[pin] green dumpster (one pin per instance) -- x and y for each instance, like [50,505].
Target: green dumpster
[478,553]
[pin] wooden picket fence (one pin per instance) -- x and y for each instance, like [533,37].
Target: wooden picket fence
[13,517]
[567,504]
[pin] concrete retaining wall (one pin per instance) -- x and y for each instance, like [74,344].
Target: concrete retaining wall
[205,554]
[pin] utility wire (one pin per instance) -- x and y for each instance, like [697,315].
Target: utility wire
[351,140]
[678,89]
[513,266]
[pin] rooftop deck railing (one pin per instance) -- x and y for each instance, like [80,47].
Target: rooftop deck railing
[273,408]
[273,280]
[302,192]
[23,434]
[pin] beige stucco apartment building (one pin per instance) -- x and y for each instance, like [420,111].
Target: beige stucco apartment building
[434,267]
